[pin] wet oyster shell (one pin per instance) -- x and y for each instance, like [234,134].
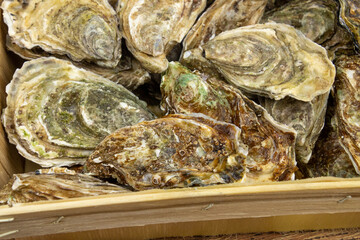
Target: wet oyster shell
[347,115]
[175,151]
[53,184]
[223,15]
[307,118]
[273,60]
[350,18]
[128,72]
[57,113]
[82,30]
[152,29]
[271,145]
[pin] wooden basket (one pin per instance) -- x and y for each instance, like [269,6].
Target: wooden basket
[321,203]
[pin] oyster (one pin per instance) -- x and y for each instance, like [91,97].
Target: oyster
[224,15]
[271,146]
[307,118]
[56,113]
[350,18]
[347,115]
[82,30]
[175,151]
[273,60]
[271,4]
[153,28]
[53,184]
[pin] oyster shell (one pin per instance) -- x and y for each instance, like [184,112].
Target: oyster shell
[56,113]
[223,15]
[175,151]
[347,115]
[153,28]
[307,118]
[273,60]
[350,18]
[82,30]
[271,145]
[53,184]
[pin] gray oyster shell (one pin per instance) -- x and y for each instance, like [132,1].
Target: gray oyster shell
[57,113]
[307,118]
[84,30]
[174,151]
[271,146]
[272,59]
[221,16]
[153,28]
[347,115]
[53,184]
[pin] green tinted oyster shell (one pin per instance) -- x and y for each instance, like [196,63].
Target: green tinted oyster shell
[53,184]
[347,115]
[273,60]
[350,18]
[153,28]
[57,113]
[271,145]
[82,30]
[174,151]
[223,15]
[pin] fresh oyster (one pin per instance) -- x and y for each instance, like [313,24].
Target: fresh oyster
[153,28]
[271,59]
[82,30]
[224,15]
[350,18]
[317,19]
[175,151]
[53,184]
[271,145]
[56,113]
[307,118]
[128,72]
[347,88]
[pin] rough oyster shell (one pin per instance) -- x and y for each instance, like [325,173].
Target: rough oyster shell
[175,151]
[128,72]
[53,184]
[223,15]
[56,113]
[271,145]
[152,29]
[307,118]
[271,59]
[347,115]
[350,18]
[82,29]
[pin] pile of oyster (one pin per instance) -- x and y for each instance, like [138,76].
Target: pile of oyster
[172,94]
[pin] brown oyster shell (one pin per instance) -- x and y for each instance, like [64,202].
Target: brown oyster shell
[221,16]
[175,151]
[84,30]
[152,29]
[271,145]
[53,184]
[347,87]
[350,18]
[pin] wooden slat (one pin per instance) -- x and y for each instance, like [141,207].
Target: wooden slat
[233,201]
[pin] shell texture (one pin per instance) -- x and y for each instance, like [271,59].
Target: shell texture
[350,18]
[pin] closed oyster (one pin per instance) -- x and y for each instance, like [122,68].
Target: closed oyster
[347,118]
[175,151]
[82,30]
[53,184]
[271,145]
[273,60]
[307,118]
[153,28]
[56,113]
[224,15]
[128,72]
[350,18]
